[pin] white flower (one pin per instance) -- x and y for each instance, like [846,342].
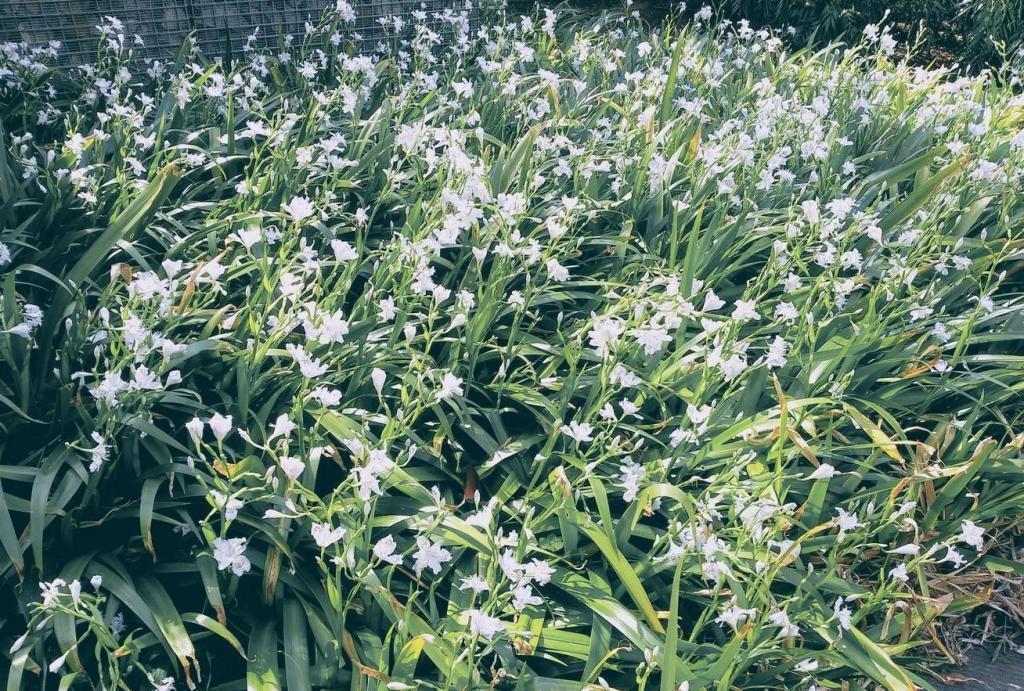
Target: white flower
[292,467]
[385,550]
[117,625]
[327,397]
[429,555]
[734,615]
[522,597]
[450,386]
[733,366]
[843,614]
[899,573]
[539,571]
[249,236]
[807,666]
[630,476]
[580,431]
[919,312]
[220,425]
[652,339]
[230,505]
[378,376]
[846,522]
[788,628]
[145,380]
[324,535]
[230,554]
[698,416]
[57,664]
[290,285]
[109,388]
[745,310]
[910,550]
[475,583]
[333,329]
[23,330]
[76,144]
[19,643]
[283,427]
[512,569]
[786,311]
[368,476]
[556,271]
[623,377]
[33,318]
[811,211]
[343,251]
[483,517]
[308,365]
[822,472]
[712,302]
[484,625]
[776,356]
[388,311]
[953,555]
[971,534]
[345,11]
[99,453]
[298,208]
[51,591]
[165,684]
[604,334]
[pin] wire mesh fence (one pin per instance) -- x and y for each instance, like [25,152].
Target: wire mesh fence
[217,25]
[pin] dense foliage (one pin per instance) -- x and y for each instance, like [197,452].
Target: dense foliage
[561,355]
[974,31]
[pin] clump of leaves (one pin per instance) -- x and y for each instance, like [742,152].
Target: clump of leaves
[566,355]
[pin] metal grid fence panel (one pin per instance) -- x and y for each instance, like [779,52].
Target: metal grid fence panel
[216,24]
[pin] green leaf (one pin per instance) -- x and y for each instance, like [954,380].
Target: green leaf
[626,574]
[214,626]
[263,673]
[146,500]
[8,537]
[40,498]
[868,657]
[169,622]
[18,662]
[208,572]
[875,432]
[608,608]
[296,647]
[126,224]
[916,199]
[669,679]
[408,657]
[668,94]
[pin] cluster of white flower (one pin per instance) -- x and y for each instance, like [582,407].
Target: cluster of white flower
[439,333]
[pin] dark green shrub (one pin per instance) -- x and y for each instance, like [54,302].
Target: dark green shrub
[977,31]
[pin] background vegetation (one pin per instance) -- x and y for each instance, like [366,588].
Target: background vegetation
[974,33]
